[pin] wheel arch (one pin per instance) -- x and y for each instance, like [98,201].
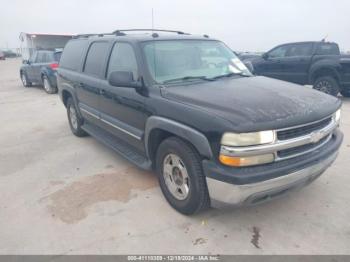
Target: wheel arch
[65,95]
[324,71]
[159,128]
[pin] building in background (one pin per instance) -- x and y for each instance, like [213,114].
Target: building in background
[32,41]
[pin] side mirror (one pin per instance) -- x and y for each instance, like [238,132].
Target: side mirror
[25,62]
[123,79]
[265,56]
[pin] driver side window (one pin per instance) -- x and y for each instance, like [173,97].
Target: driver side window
[279,52]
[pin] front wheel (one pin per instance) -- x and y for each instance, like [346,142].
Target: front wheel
[47,86]
[75,121]
[25,81]
[181,176]
[327,84]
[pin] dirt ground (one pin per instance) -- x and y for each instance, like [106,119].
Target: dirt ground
[66,195]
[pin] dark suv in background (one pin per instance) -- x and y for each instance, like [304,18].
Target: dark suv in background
[41,69]
[307,63]
[2,55]
[187,107]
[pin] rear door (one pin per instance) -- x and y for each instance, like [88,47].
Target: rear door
[89,86]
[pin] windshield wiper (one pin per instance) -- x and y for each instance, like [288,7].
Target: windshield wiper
[229,75]
[188,78]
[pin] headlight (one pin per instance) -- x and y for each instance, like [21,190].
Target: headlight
[337,115]
[248,139]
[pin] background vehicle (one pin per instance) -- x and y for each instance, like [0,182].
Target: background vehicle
[307,63]
[10,54]
[187,107]
[2,56]
[248,55]
[41,69]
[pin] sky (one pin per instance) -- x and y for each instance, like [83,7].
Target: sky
[245,25]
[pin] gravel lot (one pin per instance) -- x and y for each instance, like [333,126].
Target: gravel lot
[66,195]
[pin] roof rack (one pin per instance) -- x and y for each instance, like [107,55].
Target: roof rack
[120,32]
[88,35]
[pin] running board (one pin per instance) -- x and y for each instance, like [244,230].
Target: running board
[118,145]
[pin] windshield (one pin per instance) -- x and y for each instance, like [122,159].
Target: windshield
[185,60]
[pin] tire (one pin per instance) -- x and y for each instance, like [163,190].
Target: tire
[345,92]
[184,185]
[327,84]
[24,79]
[47,85]
[75,121]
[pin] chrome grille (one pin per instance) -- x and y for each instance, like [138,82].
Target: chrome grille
[302,130]
[294,151]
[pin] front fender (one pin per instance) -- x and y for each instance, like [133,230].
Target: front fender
[197,139]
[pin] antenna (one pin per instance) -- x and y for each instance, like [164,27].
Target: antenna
[152,20]
[324,39]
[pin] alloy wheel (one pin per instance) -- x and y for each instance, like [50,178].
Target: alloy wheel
[176,176]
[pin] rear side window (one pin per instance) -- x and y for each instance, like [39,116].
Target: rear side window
[95,58]
[123,59]
[300,50]
[72,54]
[57,56]
[328,49]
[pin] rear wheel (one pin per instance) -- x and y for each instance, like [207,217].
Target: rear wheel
[327,84]
[75,121]
[25,81]
[47,86]
[181,177]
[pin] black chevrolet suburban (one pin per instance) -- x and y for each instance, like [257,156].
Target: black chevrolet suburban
[187,107]
[307,63]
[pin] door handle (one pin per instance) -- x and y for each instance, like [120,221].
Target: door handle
[102,91]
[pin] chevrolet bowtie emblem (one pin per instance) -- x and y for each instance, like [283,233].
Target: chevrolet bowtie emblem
[316,136]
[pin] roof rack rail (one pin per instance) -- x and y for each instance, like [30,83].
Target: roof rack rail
[88,35]
[120,32]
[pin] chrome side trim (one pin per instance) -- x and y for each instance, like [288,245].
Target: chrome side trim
[313,137]
[89,113]
[110,124]
[120,129]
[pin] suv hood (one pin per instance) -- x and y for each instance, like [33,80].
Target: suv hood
[255,103]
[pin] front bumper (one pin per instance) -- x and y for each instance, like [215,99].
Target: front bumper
[230,189]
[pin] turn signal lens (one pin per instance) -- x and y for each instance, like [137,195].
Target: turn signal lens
[248,139]
[246,161]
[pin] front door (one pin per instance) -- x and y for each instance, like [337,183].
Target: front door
[271,64]
[122,108]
